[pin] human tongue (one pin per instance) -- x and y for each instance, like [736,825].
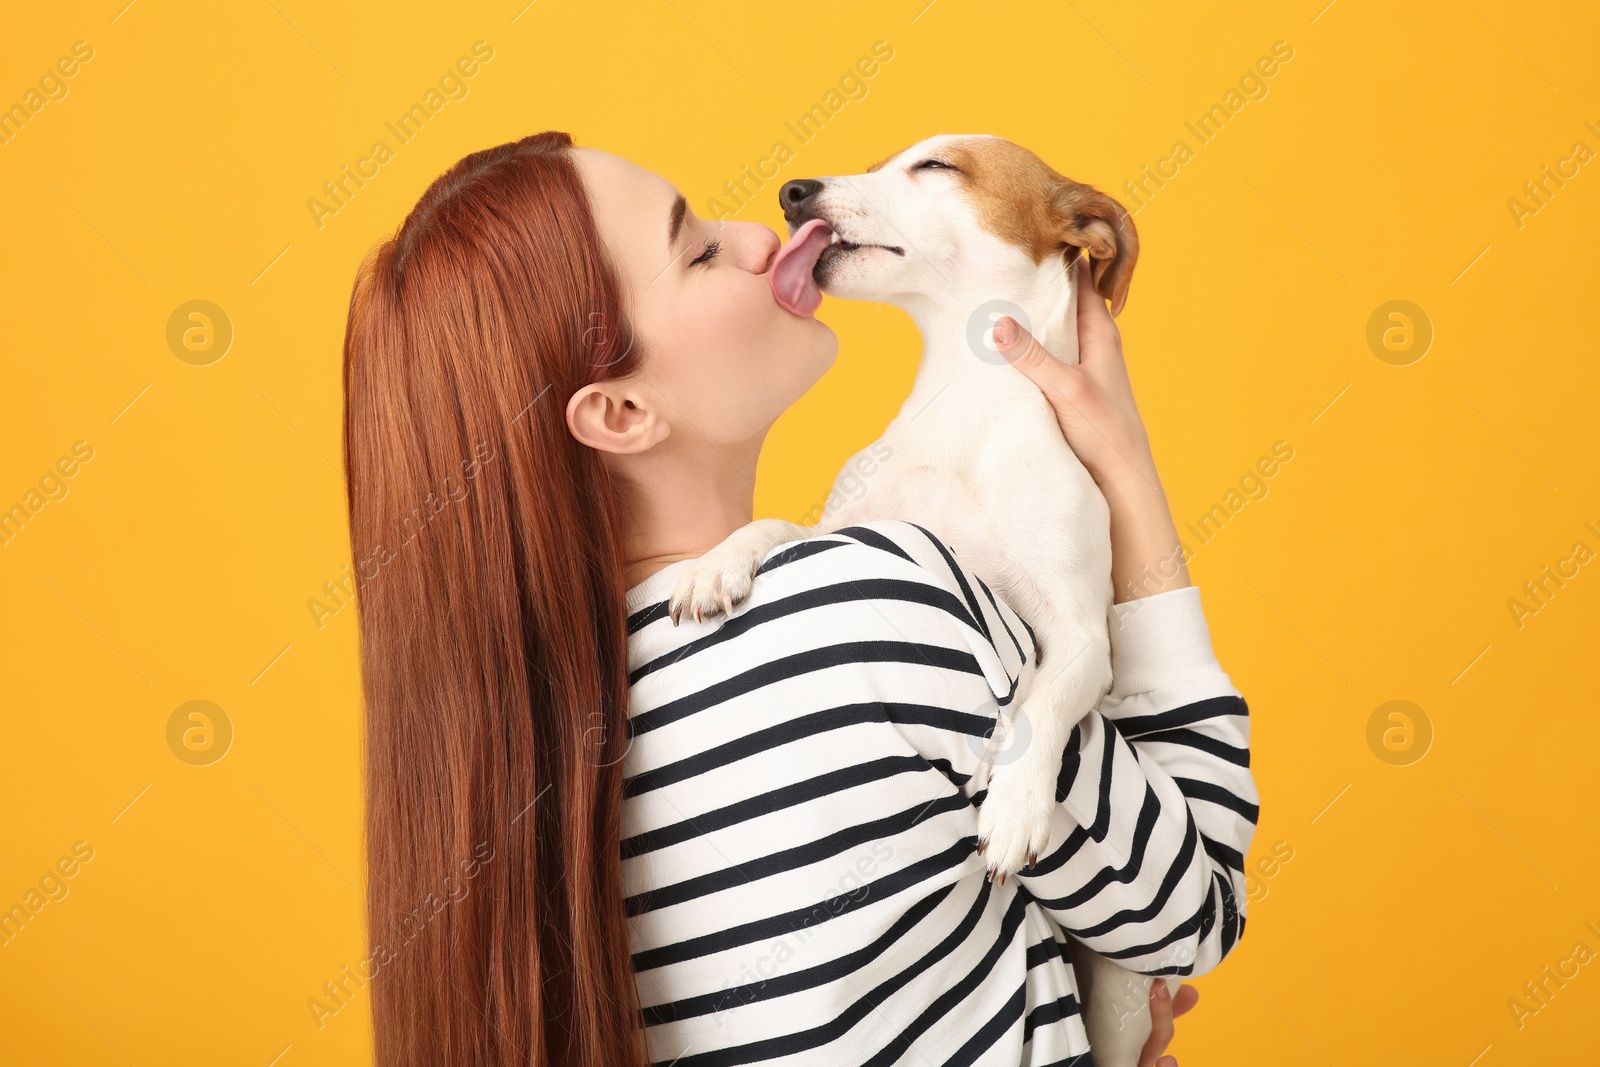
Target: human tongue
[792,284]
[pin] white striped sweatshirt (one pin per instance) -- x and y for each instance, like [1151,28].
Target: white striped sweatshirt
[800,824]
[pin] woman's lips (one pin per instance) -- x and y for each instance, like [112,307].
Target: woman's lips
[790,276]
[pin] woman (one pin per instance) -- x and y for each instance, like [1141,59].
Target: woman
[757,835]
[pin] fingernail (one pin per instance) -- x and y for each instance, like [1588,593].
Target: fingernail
[1005,331]
[1161,988]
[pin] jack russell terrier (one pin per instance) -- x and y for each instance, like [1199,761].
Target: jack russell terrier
[957,230]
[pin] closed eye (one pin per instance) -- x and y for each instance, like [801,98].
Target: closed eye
[935,164]
[712,249]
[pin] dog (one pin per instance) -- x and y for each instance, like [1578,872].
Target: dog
[956,231]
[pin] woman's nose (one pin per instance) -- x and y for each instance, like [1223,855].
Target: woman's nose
[757,246]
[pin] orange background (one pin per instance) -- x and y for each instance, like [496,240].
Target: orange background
[1420,894]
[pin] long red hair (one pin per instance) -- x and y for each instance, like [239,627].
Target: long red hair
[489,562]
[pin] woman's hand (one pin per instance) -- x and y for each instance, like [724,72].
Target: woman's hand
[1093,402]
[1164,1009]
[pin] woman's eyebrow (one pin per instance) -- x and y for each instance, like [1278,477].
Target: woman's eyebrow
[675,221]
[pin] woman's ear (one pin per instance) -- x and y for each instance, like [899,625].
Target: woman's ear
[616,416]
[1092,221]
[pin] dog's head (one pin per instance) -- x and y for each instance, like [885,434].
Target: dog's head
[973,211]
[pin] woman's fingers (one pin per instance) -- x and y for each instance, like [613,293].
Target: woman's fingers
[1024,352]
[1097,337]
[1019,347]
[1161,1028]
[1097,330]
[1164,1009]
[1091,306]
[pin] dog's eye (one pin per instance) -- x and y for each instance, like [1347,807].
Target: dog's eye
[933,164]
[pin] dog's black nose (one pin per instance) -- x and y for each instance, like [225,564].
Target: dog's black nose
[793,196]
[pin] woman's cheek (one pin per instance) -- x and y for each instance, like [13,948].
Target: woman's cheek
[749,309]
[744,337]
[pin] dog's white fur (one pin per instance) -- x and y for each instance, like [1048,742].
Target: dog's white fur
[976,455]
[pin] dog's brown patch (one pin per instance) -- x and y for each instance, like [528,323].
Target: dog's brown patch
[1024,202]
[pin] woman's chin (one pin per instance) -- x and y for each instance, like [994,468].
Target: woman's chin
[817,326]
[829,343]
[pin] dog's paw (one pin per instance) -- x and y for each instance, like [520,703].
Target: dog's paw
[718,581]
[1014,818]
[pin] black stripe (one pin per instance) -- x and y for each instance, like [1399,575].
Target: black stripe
[843,592]
[959,575]
[747,933]
[795,551]
[1052,1011]
[1045,951]
[946,768]
[855,653]
[990,1032]
[1228,857]
[1108,758]
[1022,655]
[771,801]
[1132,726]
[1230,916]
[802,727]
[782,985]
[1239,757]
[1070,759]
[797,856]
[1196,789]
[873,539]
[1230,907]
[646,615]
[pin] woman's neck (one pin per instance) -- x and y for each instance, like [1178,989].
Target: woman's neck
[684,502]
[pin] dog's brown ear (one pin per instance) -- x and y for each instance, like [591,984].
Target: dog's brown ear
[1092,221]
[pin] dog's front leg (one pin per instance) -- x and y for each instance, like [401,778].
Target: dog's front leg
[721,578]
[1072,674]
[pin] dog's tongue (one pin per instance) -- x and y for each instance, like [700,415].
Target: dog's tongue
[790,276]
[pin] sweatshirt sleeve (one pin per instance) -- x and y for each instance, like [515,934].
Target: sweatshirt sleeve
[1156,806]
[1157,803]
